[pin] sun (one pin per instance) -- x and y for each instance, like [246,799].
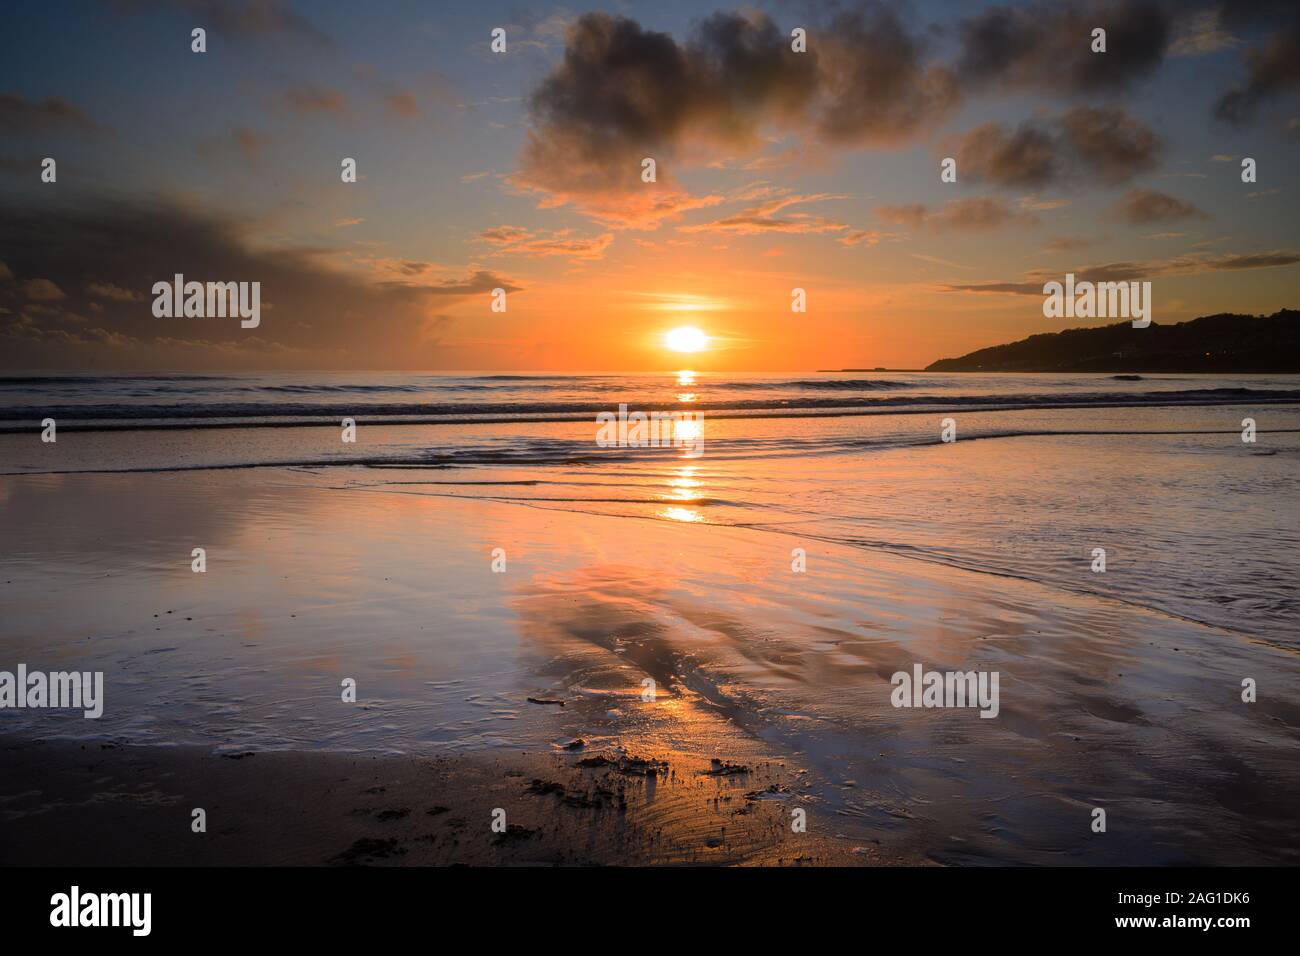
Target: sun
[686,338]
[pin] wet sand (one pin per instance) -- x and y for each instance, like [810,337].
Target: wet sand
[474,684]
[97,804]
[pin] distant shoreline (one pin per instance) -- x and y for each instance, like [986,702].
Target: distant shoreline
[1222,344]
[1126,372]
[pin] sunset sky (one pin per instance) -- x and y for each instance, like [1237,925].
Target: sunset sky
[776,170]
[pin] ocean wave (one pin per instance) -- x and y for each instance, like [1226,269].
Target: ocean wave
[106,415]
[443,385]
[821,384]
[27,381]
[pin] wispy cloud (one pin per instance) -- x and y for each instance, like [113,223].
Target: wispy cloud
[316,99]
[20,116]
[1136,270]
[767,218]
[962,215]
[517,241]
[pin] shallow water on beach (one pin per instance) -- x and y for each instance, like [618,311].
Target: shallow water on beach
[1122,687]
[1194,521]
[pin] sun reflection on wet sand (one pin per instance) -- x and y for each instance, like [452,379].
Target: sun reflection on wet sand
[685,478]
[681,514]
[685,488]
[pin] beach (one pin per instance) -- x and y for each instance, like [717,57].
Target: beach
[500,619]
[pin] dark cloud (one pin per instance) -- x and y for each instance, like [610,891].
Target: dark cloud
[239,18]
[1025,156]
[101,258]
[1142,206]
[1049,45]
[877,86]
[622,93]
[998,288]
[20,116]
[1104,144]
[749,73]
[1109,143]
[1261,260]
[1272,68]
[1241,14]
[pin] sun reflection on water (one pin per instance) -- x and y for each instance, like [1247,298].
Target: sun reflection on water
[684,488]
